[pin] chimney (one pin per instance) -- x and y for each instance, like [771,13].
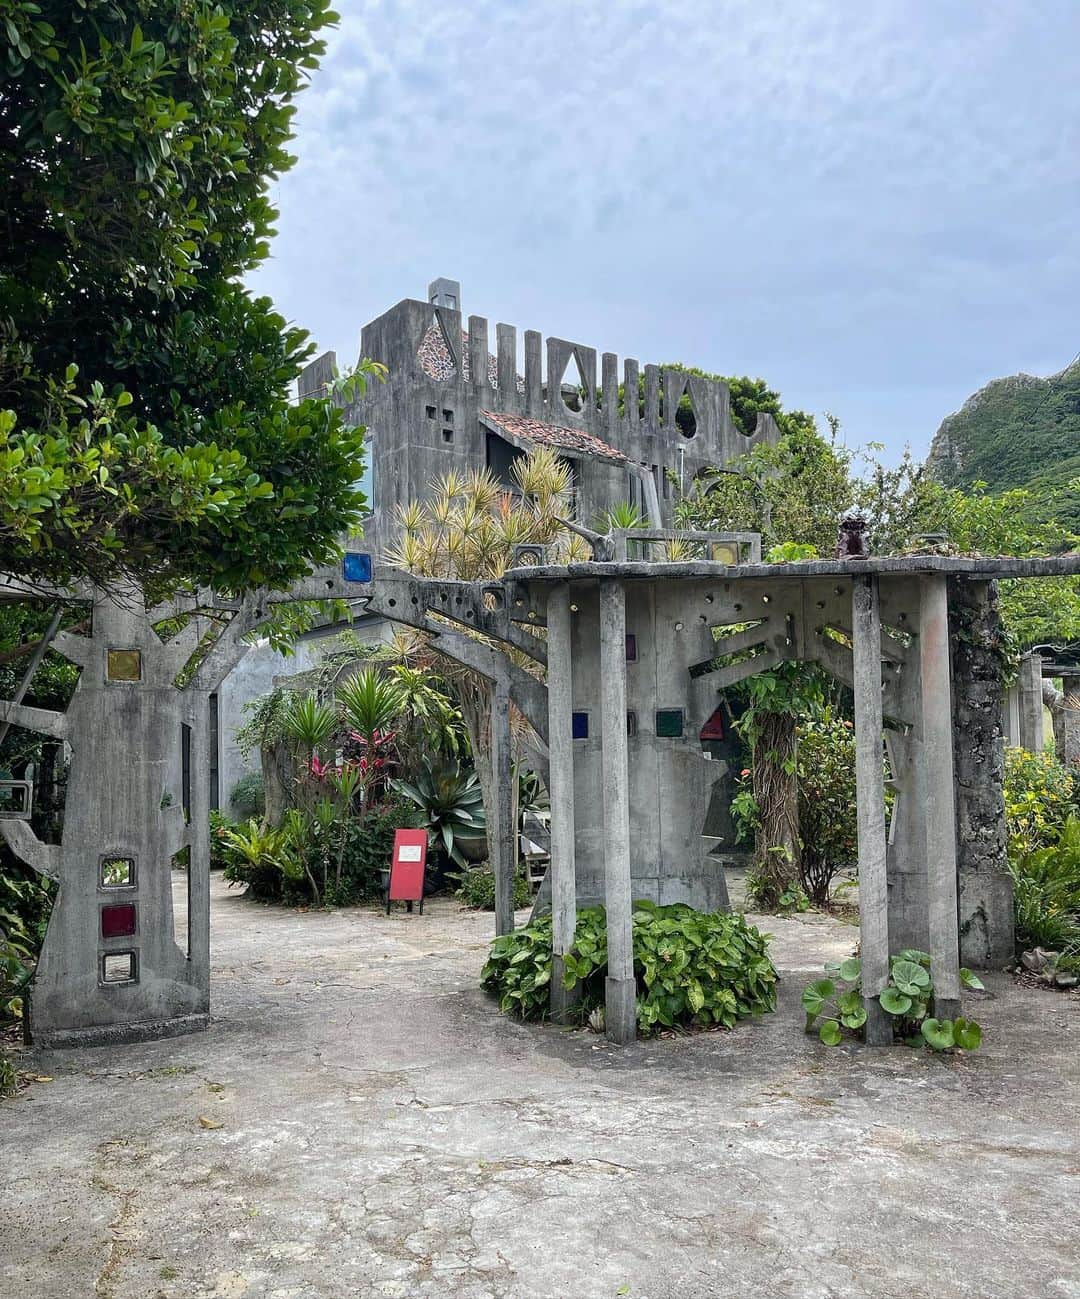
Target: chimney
[445,293]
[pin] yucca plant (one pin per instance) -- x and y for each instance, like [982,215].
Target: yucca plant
[450,803]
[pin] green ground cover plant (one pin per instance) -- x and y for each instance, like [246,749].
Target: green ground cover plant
[834,1005]
[693,968]
[476,888]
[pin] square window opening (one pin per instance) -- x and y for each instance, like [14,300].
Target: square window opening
[448,436]
[118,920]
[669,723]
[448,416]
[124,665]
[117,873]
[119,967]
[430,410]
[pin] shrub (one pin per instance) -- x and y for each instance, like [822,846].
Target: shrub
[476,889]
[1041,794]
[1046,891]
[828,825]
[295,865]
[218,826]
[908,997]
[260,858]
[248,795]
[692,967]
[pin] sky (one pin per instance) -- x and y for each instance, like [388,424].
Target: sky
[872,204]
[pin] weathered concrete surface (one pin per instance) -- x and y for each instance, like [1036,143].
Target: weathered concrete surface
[385,1132]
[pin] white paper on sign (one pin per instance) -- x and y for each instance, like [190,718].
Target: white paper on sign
[409,852]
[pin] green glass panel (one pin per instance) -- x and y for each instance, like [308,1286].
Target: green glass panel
[669,723]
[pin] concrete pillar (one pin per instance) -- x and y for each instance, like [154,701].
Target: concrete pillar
[609,395]
[199,835]
[984,884]
[503,831]
[940,804]
[506,336]
[534,380]
[478,356]
[561,793]
[870,797]
[1010,715]
[619,995]
[1029,684]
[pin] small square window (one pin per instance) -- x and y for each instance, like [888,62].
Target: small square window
[430,410]
[117,872]
[356,566]
[631,724]
[119,967]
[118,921]
[448,435]
[580,726]
[124,665]
[448,416]
[724,552]
[631,647]
[669,723]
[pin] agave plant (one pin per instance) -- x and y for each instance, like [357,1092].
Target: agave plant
[450,802]
[309,723]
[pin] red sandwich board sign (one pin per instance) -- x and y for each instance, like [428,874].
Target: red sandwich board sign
[407,868]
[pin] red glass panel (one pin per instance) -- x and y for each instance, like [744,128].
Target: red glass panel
[118,921]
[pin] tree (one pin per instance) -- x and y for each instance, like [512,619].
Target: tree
[146,431]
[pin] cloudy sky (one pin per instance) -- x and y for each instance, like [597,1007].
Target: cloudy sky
[873,204]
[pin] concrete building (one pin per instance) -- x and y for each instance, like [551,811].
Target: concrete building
[450,403]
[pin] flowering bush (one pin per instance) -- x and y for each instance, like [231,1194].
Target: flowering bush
[1041,794]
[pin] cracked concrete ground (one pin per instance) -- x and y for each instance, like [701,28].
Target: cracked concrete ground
[360,1121]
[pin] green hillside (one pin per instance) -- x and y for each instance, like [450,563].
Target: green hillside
[1018,432]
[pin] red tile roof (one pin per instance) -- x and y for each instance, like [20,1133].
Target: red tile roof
[552,435]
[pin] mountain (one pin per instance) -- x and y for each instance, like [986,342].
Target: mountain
[1018,432]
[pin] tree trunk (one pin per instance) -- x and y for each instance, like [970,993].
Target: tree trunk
[475,696]
[277,776]
[776,792]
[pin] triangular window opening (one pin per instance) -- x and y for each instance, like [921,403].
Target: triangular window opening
[574,389]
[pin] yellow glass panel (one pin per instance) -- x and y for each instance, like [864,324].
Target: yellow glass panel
[725,552]
[125,665]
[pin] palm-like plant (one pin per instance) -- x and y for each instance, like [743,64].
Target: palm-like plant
[309,723]
[450,802]
[369,703]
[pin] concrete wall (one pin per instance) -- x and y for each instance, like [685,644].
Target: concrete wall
[422,427]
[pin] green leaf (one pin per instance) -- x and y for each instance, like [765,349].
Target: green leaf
[895,1001]
[854,1018]
[970,980]
[850,969]
[909,977]
[967,1034]
[830,1033]
[815,995]
[938,1033]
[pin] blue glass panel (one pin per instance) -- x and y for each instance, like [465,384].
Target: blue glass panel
[580,726]
[356,566]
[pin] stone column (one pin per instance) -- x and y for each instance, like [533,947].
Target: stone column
[870,798]
[985,886]
[1029,685]
[940,805]
[198,878]
[561,794]
[619,994]
[503,832]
